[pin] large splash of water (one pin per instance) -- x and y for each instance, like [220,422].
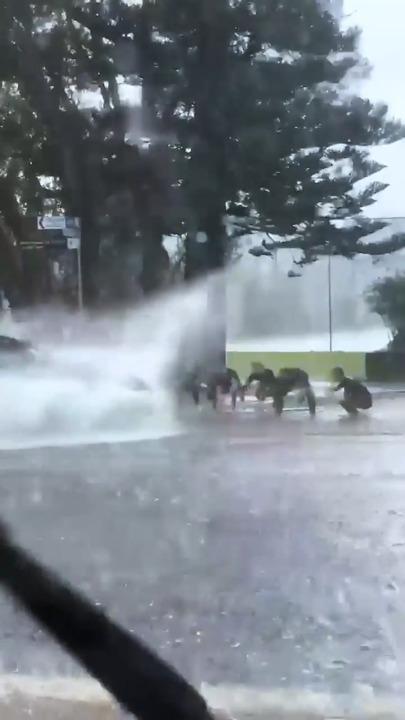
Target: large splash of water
[85,385]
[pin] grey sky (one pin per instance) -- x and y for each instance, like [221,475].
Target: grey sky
[383,24]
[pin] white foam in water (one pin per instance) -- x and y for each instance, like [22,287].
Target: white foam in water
[301,704]
[65,698]
[80,390]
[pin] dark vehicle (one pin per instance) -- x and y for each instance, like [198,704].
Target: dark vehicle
[12,349]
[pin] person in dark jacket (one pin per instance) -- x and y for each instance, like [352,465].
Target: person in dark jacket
[226,382]
[265,379]
[192,385]
[278,387]
[189,384]
[290,379]
[356,395]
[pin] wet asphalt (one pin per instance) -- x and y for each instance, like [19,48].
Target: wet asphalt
[245,550]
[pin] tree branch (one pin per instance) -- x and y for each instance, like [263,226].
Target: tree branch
[384,247]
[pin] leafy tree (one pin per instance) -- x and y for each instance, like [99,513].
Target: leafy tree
[243,104]
[265,137]
[93,172]
[386,297]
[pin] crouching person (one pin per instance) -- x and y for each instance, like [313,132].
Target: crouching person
[278,387]
[224,382]
[290,379]
[356,395]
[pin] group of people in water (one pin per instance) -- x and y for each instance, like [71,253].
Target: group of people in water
[226,382]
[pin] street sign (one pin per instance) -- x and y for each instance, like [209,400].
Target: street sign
[51,222]
[57,222]
[56,232]
[73,242]
[71,232]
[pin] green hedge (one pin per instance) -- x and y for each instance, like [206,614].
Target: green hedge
[385,366]
[317,364]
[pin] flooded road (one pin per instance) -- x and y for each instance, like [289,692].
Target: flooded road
[253,554]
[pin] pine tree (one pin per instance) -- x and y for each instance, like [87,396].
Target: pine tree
[252,129]
[39,52]
[251,93]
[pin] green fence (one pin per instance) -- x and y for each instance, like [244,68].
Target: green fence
[317,364]
[385,367]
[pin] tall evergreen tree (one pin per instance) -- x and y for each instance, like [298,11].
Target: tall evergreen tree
[251,127]
[251,93]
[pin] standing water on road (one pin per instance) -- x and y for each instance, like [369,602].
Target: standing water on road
[268,573]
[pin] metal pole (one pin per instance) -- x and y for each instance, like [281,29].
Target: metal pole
[79,273]
[330,303]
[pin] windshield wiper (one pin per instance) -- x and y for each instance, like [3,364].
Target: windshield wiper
[141,682]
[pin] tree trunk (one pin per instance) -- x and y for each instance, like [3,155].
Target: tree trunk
[155,264]
[11,275]
[398,341]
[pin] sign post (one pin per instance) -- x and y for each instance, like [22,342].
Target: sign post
[74,243]
[70,227]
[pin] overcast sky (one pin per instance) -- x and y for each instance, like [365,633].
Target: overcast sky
[383,23]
